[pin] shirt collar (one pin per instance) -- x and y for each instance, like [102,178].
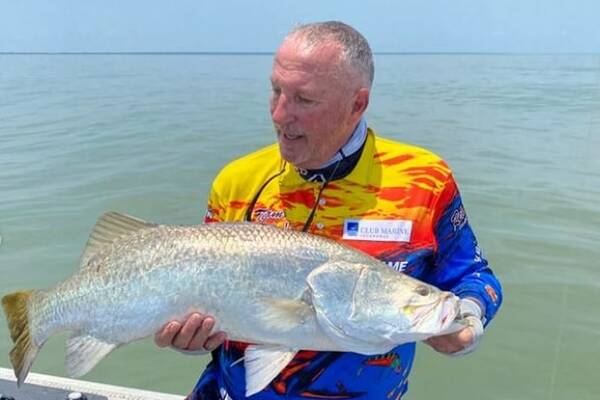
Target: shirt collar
[360,172]
[353,144]
[343,161]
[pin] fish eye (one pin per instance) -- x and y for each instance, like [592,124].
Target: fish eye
[422,290]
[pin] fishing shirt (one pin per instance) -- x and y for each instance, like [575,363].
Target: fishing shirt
[399,204]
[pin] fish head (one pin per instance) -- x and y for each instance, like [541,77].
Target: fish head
[376,305]
[401,308]
[429,317]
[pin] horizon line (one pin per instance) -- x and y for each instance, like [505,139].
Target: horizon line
[236,53]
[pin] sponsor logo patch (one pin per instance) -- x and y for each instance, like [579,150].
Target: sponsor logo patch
[266,215]
[270,217]
[492,293]
[351,228]
[458,218]
[377,230]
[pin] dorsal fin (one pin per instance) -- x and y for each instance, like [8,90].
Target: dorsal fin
[109,227]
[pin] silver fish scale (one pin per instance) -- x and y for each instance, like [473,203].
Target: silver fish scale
[233,271]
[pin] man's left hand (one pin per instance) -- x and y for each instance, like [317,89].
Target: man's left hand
[452,342]
[466,339]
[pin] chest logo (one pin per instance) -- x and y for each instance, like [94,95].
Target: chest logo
[270,217]
[377,230]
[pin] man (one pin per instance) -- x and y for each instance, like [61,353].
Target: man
[331,175]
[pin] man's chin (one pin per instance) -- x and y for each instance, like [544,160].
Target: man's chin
[291,155]
[298,158]
[291,159]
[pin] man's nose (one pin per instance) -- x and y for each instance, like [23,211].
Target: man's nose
[280,110]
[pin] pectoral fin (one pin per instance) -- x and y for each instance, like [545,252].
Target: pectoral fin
[285,314]
[84,352]
[263,363]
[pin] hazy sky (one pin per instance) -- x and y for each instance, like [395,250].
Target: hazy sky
[248,26]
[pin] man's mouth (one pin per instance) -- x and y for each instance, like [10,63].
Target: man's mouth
[291,136]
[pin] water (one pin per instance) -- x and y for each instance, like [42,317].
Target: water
[145,135]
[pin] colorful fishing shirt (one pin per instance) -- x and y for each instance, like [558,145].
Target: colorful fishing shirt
[399,204]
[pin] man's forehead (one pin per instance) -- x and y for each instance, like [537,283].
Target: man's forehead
[296,55]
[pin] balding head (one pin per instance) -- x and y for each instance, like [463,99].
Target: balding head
[355,56]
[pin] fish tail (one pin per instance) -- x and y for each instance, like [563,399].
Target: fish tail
[16,307]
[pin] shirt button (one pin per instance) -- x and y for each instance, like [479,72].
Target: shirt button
[322,202]
[320,226]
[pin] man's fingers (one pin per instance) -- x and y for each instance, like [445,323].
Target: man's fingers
[193,334]
[438,345]
[443,345]
[164,337]
[215,341]
[188,330]
[198,341]
[452,342]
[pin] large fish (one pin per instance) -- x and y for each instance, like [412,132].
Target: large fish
[280,290]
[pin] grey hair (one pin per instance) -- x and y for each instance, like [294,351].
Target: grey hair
[356,51]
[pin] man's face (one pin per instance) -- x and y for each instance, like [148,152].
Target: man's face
[312,107]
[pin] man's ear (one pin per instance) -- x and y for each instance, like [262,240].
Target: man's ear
[361,101]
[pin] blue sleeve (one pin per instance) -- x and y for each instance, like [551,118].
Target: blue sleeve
[459,265]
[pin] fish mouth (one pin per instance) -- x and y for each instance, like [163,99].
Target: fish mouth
[450,310]
[445,310]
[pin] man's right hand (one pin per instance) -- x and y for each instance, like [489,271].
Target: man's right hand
[194,334]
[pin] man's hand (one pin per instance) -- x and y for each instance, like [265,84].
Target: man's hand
[194,334]
[466,339]
[452,342]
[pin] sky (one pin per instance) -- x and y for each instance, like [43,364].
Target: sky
[520,26]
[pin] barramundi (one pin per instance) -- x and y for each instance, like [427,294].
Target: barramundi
[279,290]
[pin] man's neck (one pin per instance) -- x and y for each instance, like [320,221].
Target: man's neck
[344,160]
[354,143]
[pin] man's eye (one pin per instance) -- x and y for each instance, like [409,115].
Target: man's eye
[304,100]
[276,91]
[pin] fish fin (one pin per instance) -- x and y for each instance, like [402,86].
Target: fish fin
[109,227]
[84,352]
[263,363]
[22,355]
[284,314]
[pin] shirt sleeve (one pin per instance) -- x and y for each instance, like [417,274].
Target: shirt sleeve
[214,208]
[459,264]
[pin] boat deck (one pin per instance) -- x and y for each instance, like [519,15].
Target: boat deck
[47,387]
